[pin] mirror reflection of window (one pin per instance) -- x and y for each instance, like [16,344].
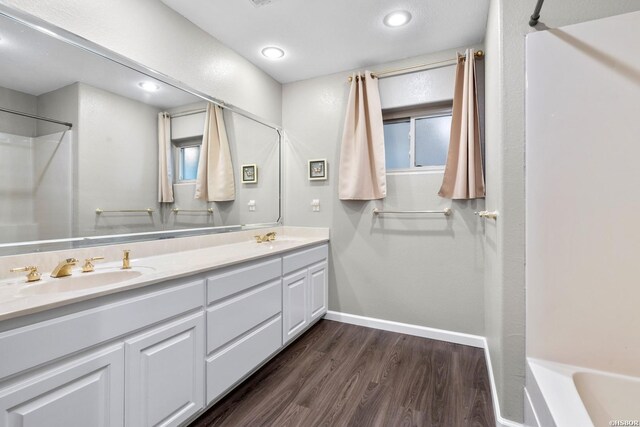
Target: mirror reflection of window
[189,157]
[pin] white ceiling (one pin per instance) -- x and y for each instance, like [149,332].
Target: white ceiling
[35,63]
[326,36]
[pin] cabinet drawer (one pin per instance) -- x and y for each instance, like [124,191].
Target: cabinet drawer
[240,278]
[32,345]
[233,317]
[227,367]
[304,258]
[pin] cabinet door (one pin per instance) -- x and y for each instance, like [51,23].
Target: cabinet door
[317,290]
[85,391]
[294,304]
[165,371]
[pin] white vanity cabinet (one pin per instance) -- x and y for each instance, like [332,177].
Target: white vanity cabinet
[161,354]
[69,369]
[304,295]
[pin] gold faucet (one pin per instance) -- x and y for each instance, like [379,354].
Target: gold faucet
[269,237]
[126,263]
[32,275]
[64,268]
[88,266]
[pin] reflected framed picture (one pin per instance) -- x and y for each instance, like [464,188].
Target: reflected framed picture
[317,170]
[249,174]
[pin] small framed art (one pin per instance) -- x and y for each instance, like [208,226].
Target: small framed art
[317,170]
[249,174]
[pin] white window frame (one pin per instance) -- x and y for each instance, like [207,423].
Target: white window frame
[413,115]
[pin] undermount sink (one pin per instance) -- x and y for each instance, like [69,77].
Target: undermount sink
[80,281]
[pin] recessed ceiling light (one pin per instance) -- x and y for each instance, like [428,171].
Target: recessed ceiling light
[149,86]
[397,18]
[272,52]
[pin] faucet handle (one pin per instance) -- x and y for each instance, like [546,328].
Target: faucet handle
[32,276]
[88,264]
[126,263]
[271,236]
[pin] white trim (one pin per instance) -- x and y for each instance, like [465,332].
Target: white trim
[406,328]
[500,421]
[436,334]
[528,408]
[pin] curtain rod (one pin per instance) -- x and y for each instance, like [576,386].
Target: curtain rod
[533,21]
[422,67]
[33,116]
[188,113]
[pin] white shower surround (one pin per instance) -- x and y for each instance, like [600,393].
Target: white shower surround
[583,85]
[37,176]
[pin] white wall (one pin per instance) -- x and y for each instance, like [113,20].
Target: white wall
[117,163]
[16,125]
[420,270]
[149,32]
[505,136]
[582,195]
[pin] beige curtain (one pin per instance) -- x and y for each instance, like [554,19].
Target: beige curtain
[215,182]
[362,171]
[463,177]
[165,169]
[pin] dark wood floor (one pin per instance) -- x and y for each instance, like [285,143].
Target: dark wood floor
[345,375]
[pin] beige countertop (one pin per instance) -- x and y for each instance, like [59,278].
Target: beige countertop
[18,298]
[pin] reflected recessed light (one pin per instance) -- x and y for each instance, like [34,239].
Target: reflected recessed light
[272,52]
[397,18]
[149,86]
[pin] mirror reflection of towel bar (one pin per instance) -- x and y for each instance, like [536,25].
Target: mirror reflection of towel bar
[445,212]
[487,214]
[147,211]
[178,210]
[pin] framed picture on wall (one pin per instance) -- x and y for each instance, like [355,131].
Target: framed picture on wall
[249,174]
[318,170]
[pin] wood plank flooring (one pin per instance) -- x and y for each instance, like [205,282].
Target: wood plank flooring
[338,374]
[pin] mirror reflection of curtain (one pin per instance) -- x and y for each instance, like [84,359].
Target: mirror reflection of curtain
[463,176]
[165,169]
[362,166]
[215,182]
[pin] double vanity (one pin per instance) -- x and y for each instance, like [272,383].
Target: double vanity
[158,343]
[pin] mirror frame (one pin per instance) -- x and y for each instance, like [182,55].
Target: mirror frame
[65,36]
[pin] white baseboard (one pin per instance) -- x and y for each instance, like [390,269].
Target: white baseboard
[435,334]
[406,328]
[500,421]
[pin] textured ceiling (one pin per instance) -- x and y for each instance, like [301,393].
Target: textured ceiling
[325,36]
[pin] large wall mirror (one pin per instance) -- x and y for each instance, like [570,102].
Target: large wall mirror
[97,149]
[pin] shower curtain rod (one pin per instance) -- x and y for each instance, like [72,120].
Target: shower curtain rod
[33,116]
[188,113]
[421,67]
[533,21]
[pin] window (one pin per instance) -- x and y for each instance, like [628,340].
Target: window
[187,155]
[418,139]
